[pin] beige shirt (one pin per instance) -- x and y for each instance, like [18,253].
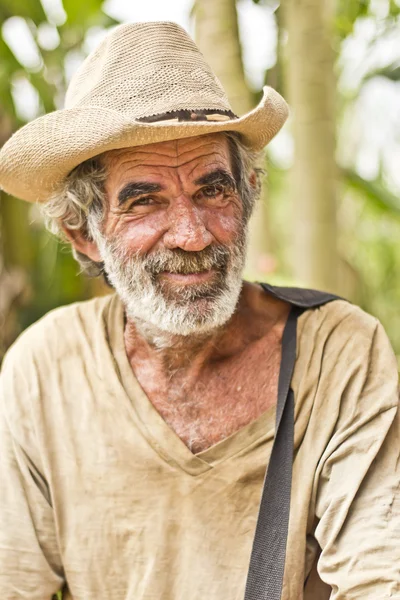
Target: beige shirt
[98,492]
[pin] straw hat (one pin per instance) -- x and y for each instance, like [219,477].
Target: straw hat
[145,83]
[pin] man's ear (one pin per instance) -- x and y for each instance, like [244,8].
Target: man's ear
[83,244]
[253,179]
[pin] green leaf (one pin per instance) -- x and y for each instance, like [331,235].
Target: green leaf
[46,90]
[380,197]
[29,9]
[394,8]
[8,62]
[84,13]
[347,13]
[391,72]
[8,67]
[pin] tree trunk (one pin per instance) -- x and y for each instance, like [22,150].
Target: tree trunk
[311,90]
[217,35]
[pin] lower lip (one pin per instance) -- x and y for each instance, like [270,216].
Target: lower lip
[189,277]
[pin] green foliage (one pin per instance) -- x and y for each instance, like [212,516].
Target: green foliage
[8,67]
[391,72]
[394,8]
[28,9]
[49,273]
[73,9]
[349,11]
[369,238]
[377,195]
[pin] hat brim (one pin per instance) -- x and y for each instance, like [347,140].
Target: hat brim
[35,161]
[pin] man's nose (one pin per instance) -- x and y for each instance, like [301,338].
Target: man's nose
[186,228]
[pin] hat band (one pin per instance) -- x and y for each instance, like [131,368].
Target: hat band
[191,115]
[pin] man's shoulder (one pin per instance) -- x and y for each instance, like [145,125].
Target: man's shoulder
[339,312]
[340,328]
[56,332]
[326,313]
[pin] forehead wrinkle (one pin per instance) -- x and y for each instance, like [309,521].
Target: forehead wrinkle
[211,166]
[176,150]
[169,149]
[134,155]
[216,146]
[217,156]
[203,140]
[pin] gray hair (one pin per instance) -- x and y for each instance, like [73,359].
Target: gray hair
[80,204]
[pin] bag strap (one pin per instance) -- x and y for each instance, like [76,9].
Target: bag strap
[267,562]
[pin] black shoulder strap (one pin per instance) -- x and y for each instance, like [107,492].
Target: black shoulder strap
[267,562]
[300,297]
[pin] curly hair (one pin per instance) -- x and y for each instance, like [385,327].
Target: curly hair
[80,204]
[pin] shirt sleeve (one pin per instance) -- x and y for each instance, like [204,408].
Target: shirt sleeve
[30,565]
[357,486]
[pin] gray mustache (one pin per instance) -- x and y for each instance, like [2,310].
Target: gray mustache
[182,262]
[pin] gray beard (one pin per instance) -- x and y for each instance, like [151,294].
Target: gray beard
[158,306]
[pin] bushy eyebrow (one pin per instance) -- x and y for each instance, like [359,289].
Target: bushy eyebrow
[219,176]
[138,188]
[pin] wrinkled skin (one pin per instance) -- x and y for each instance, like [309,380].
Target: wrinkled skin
[205,387]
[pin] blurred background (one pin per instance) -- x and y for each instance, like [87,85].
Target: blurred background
[329,216]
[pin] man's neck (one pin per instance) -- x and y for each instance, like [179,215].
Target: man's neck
[171,354]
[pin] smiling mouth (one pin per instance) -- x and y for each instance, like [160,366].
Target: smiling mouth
[188,278]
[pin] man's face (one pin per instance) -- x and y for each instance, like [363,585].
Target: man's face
[173,237]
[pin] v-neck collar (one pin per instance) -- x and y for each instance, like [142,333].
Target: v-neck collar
[156,431]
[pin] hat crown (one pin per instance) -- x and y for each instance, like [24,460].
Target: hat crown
[146,69]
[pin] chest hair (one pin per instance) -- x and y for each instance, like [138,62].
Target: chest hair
[226,397]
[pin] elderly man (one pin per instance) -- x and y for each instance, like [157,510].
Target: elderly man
[136,429]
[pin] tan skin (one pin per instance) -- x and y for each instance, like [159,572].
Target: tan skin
[205,388]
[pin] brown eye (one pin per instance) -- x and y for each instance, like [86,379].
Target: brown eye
[143,201]
[212,191]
